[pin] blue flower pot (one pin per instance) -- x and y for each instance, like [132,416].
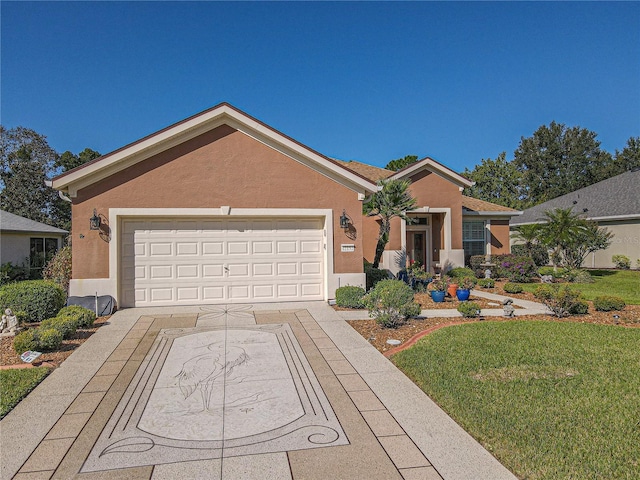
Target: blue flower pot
[463,294]
[437,296]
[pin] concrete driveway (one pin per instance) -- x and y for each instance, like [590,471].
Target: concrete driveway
[223,392]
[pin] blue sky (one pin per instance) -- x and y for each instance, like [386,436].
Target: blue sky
[456,81]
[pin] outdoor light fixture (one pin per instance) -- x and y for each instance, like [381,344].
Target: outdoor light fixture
[94,222]
[344,220]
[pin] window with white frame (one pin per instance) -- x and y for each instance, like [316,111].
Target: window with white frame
[473,238]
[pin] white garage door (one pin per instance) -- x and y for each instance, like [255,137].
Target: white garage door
[206,261]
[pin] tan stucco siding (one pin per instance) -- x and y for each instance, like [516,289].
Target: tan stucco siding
[431,190]
[223,167]
[500,237]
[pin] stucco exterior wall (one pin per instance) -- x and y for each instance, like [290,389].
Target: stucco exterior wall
[499,240]
[626,241]
[223,167]
[431,190]
[14,248]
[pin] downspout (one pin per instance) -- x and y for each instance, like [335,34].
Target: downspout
[49,183]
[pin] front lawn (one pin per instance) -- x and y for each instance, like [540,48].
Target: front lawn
[15,384]
[551,400]
[621,283]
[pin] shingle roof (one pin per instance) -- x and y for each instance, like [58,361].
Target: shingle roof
[369,171]
[14,223]
[614,197]
[477,205]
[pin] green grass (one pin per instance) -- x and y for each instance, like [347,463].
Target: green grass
[621,283]
[551,400]
[15,384]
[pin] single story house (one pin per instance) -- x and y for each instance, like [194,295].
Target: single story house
[614,203]
[222,208]
[25,242]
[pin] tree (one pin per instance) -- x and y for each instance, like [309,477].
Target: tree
[498,181]
[27,161]
[558,160]
[393,200]
[69,160]
[528,234]
[400,163]
[571,237]
[627,159]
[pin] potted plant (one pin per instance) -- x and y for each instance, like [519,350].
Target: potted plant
[464,288]
[419,277]
[439,289]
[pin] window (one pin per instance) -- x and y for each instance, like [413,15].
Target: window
[41,251]
[473,239]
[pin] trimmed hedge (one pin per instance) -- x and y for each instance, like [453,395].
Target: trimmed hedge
[65,325]
[469,309]
[25,341]
[459,273]
[561,300]
[486,283]
[83,316]
[49,339]
[350,297]
[374,275]
[538,253]
[38,299]
[512,288]
[607,303]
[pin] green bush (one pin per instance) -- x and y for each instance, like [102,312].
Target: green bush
[65,325]
[10,273]
[85,317]
[579,308]
[486,283]
[538,253]
[58,269]
[512,288]
[48,339]
[579,276]
[391,303]
[374,275]
[515,268]
[475,262]
[555,273]
[621,261]
[559,299]
[607,303]
[25,341]
[350,297]
[467,283]
[469,309]
[38,299]
[459,273]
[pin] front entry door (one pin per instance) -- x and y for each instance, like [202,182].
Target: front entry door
[418,248]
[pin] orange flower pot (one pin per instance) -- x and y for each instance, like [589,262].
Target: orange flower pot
[452,290]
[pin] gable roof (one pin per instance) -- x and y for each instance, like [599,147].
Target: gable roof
[222,114]
[475,206]
[611,199]
[433,166]
[10,222]
[368,171]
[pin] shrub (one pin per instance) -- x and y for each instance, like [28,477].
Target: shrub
[38,299]
[608,303]
[515,268]
[486,283]
[475,262]
[48,339]
[25,341]
[442,284]
[512,288]
[559,299]
[579,276]
[374,275]
[65,325]
[469,309]
[58,269]
[10,273]
[621,261]
[459,273]
[350,297]
[391,303]
[555,273]
[467,283]
[538,253]
[83,316]
[579,308]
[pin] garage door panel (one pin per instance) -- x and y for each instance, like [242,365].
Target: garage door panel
[197,261]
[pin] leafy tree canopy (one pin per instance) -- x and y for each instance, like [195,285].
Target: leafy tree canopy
[69,160]
[400,163]
[498,181]
[627,159]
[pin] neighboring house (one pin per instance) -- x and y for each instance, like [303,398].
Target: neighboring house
[223,208]
[614,203]
[25,242]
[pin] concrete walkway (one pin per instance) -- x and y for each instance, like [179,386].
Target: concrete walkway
[528,308]
[282,391]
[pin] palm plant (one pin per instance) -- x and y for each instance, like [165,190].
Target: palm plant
[392,200]
[527,234]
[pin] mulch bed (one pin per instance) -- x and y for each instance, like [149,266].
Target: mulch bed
[8,356]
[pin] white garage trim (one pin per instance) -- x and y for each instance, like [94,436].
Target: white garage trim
[116,215]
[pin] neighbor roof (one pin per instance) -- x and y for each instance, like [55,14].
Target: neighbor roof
[472,206]
[614,198]
[15,223]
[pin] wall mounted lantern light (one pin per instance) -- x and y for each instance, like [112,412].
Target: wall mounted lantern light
[94,221]
[345,221]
